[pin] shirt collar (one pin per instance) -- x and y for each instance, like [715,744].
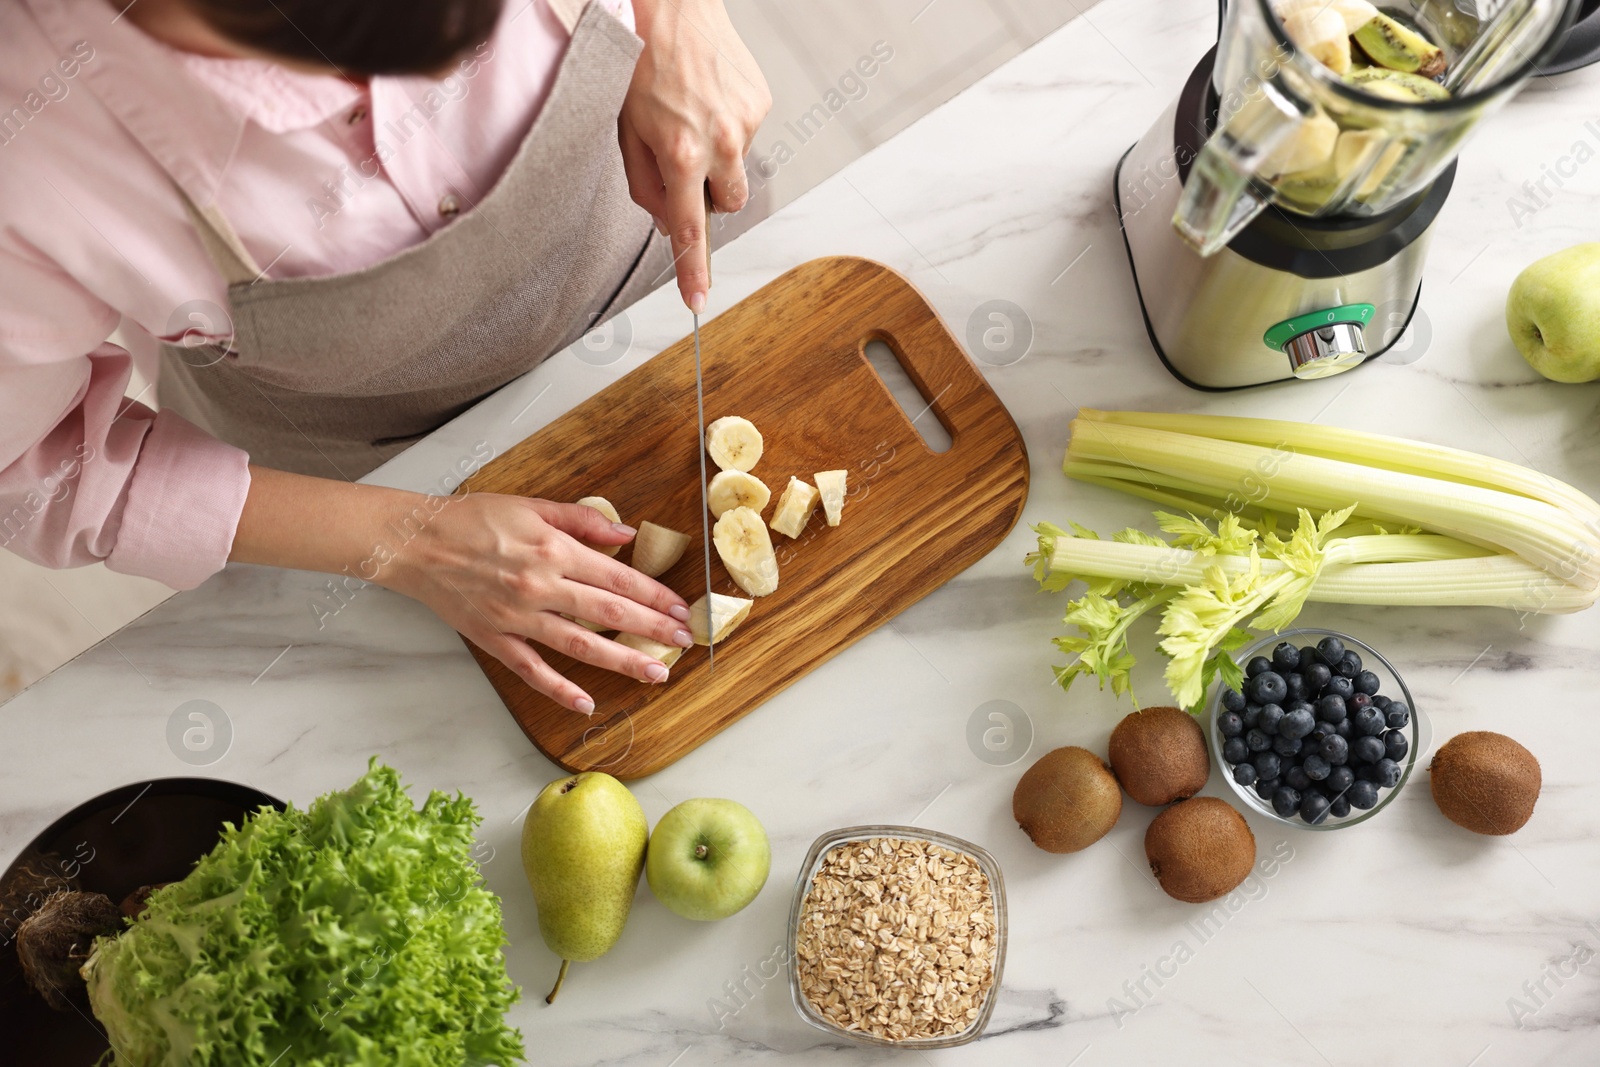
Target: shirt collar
[277,99]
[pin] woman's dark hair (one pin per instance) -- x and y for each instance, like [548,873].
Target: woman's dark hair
[358,37]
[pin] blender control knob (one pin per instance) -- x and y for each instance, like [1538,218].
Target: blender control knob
[1326,350]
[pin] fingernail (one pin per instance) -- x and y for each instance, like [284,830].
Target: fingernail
[656,672]
[697,302]
[584,706]
[677,611]
[684,638]
[623,528]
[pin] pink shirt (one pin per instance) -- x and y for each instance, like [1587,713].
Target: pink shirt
[99,128]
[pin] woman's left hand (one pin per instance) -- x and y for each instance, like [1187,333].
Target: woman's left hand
[695,103]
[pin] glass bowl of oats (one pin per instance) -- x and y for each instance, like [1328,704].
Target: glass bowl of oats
[898,937]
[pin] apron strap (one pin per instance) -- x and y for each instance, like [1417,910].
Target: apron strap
[568,11]
[222,244]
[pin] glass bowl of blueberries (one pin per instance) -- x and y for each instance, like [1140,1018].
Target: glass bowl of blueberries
[1322,735]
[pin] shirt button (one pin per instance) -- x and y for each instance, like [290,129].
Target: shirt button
[357,114]
[449,205]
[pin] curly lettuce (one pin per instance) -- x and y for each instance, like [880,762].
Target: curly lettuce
[353,932]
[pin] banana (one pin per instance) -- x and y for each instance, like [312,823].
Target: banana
[794,508]
[734,444]
[656,548]
[585,623]
[746,550]
[1320,33]
[1394,45]
[1354,13]
[1356,147]
[736,489]
[726,613]
[667,654]
[1397,85]
[1309,144]
[603,506]
[831,485]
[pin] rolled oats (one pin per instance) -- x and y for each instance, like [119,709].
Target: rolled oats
[897,939]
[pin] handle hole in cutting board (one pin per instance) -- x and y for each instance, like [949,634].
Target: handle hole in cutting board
[918,408]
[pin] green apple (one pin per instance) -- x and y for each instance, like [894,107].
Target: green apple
[1553,313]
[707,858]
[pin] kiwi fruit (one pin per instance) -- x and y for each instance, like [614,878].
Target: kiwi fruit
[1200,849]
[1159,755]
[1485,782]
[1067,800]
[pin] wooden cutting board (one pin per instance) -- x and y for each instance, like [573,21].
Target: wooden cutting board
[791,358]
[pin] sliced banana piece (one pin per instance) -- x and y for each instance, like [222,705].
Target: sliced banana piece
[734,444]
[746,550]
[667,654]
[1355,13]
[586,624]
[736,489]
[794,508]
[1320,33]
[656,548]
[726,613]
[603,506]
[831,485]
[1309,144]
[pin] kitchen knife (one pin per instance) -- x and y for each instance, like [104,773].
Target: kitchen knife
[705,506]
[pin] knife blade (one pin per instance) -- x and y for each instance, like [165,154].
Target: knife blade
[705,506]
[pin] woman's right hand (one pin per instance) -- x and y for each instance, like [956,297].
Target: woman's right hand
[503,569]
[500,569]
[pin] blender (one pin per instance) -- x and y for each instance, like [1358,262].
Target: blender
[1279,210]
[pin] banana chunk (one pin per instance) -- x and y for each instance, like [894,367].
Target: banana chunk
[1309,144]
[734,444]
[794,508]
[603,506]
[586,624]
[726,613]
[667,654]
[1320,33]
[1355,13]
[831,485]
[746,550]
[736,489]
[656,549]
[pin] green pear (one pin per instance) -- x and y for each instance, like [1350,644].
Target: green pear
[583,846]
[1553,313]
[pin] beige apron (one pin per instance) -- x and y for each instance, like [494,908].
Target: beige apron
[333,375]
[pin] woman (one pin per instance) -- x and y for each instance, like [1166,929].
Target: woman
[336,224]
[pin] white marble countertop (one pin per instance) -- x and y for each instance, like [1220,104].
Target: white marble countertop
[1406,940]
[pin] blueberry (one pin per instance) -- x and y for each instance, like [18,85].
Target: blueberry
[1265,787]
[1336,750]
[1267,765]
[1295,684]
[1331,649]
[1245,775]
[1308,656]
[1368,722]
[1271,716]
[1344,730]
[1286,800]
[1316,767]
[1233,700]
[1339,779]
[1317,676]
[1323,729]
[1341,686]
[1395,745]
[1257,741]
[1257,665]
[1349,665]
[1339,808]
[1287,747]
[1366,772]
[1251,715]
[1234,750]
[1296,778]
[1366,682]
[1285,657]
[1297,724]
[1359,700]
[1363,795]
[1330,708]
[1230,724]
[1314,808]
[1366,750]
[1386,772]
[1268,688]
[1381,700]
[1396,715]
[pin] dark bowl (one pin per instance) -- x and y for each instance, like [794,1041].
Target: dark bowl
[141,834]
